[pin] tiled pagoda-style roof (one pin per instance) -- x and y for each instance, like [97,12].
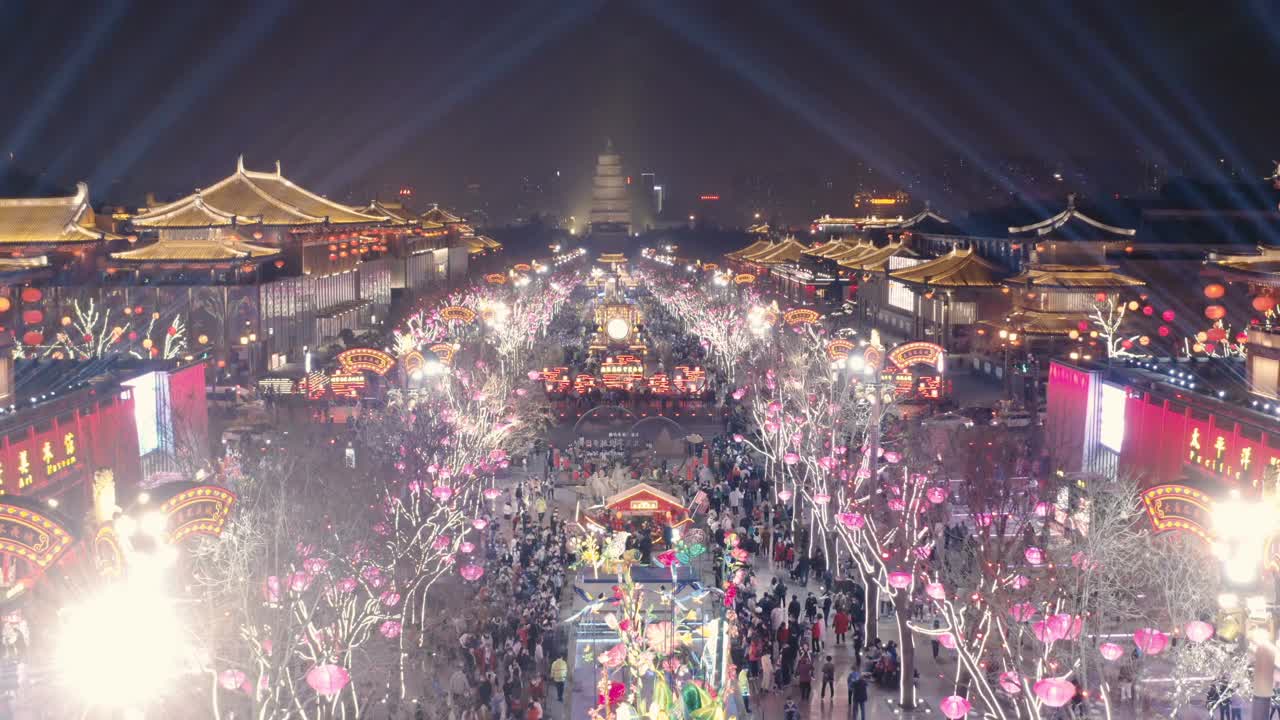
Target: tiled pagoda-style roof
[1071,222]
[396,212]
[957,269]
[753,248]
[248,197]
[222,246]
[1084,277]
[55,220]
[876,258]
[828,249]
[440,215]
[788,250]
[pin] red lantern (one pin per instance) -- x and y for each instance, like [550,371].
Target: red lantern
[328,680]
[257,234]
[1216,334]
[1126,344]
[471,573]
[133,335]
[138,309]
[1167,316]
[1263,303]
[32,317]
[332,257]
[173,330]
[1213,291]
[1082,326]
[900,580]
[1163,331]
[1148,310]
[33,337]
[1242,337]
[279,263]
[1054,692]
[332,247]
[31,295]
[1215,312]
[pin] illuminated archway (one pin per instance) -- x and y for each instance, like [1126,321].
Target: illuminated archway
[598,411]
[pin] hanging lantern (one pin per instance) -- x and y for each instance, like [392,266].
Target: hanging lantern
[892,457]
[821,498]
[471,573]
[1082,326]
[231,679]
[1055,692]
[1167,316]
[1023,611]
[390,629]
[1034,555]
[936,495]
[492,493]
[954,707]
[784,495]
[466,547]
[480,523]
[257,234]
[31,295]
[1213,291]
[1163,331]
[1215,312]
[1010,682]
[947,640]
[442,492]
[1073,334]
[1148,310]
[1263,303]
[279,263]
[897,505]
[1060,624]
[1100,297]
[791,458]
[441,542]
[1150,641]
[899,580]
[32,317]
[1044,632]
[1133,305]
[853,521]
[1111,651]
[1216,334]
[935,591]
[5,304]
[328,680]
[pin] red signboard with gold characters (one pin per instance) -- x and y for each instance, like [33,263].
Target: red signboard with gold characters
[198,510]
[32,536]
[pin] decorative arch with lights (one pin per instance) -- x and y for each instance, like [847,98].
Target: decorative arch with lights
[365,359]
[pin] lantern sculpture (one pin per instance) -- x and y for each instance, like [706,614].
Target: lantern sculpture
[1023,611]
[1054,692]
[231,679]
[1111,651]
[900,580]
[466,548]
[1213,291]
[954,707]
[1263,303]
[936,591]
[328,679]
[1150,641]
[853,521]
[1215,312]
[1198,631]
[1034,555]
[1010,682]
[471,573]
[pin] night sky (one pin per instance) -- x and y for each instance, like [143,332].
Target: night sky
[138,96]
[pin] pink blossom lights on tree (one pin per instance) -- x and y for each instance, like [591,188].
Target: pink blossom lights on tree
[471,573]
[1198,631]
[954,707]
[328,679]
[1150,641]
[1054,692]
[1111,651]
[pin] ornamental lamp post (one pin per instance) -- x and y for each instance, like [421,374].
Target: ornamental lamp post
[1243,530]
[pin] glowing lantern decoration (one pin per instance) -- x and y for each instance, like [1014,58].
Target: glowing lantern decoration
[1111,651]
[31,295]
[328,680]
[821,498]
[5,304]
[790,458]
[892,457]
[1126,344]
[1148,311]
[441,542]
[1213,291]
[1010,682]
[1054,692]
[33,337]
[897,505]
[1082,326]
[936,591]
[954,707]
[1215,312]
[390,598]
[471,573]
[492,493]
[1216,334]
[32,317]
[1044,632]
[1100,297]
[900,580]
[231,679]
[66,320]
[1144,341]
[146,343]
[1060,624]
[1133,305]
[1034,555]
[1168,316]
[1150,641]
[1022,611]
[1073,334]
[853,521]
[390,629]
[784,494]
[1263,303]
[279,263]
[1198,631]
[936,495]
[1163,331]
[466,548]
[203,339]
[442,492]
[480,523]
[947,640]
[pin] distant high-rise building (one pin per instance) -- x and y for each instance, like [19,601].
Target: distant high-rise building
[610,198]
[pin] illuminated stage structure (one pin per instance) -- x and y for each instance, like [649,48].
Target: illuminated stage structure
[641,501]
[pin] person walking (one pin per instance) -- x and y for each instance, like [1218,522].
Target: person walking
[841,624]
[828,679]
[766,673]
[857,694]
[559,672]
[744,688]
[804,675]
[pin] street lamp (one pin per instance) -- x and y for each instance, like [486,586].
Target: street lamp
[1243,530]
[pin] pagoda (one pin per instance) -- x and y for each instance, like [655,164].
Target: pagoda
[610,203]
